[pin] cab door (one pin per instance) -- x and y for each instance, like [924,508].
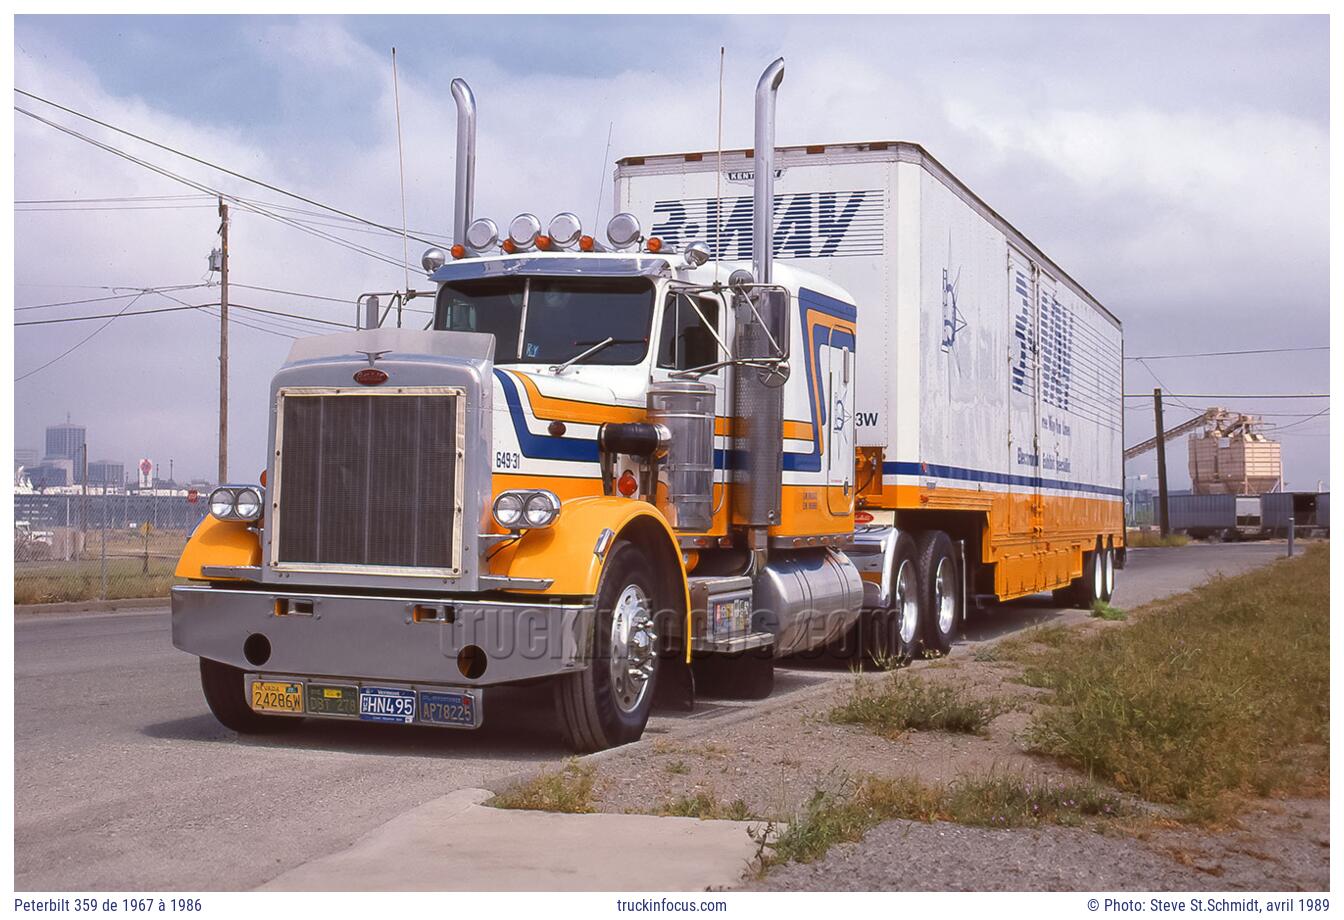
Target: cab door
[838,423]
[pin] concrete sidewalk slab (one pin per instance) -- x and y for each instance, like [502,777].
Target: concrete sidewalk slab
[454,843]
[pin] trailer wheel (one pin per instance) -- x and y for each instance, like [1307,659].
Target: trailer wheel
[1090,587]
[1108,572]
[940,588]
[608,703]
[226,696]
[895,636]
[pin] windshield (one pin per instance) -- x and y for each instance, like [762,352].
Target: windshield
[558,318]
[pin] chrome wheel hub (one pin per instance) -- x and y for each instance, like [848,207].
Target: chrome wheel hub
[1109,572]
[905,603]
[945,595]
[634,652]
[1099,575]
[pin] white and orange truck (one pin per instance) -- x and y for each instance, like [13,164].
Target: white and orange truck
[796,399]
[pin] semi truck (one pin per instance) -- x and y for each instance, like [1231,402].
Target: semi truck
[796,400]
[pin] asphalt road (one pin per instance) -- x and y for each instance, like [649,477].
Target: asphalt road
[124,781]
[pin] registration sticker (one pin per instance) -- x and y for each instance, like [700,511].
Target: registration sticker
[460,708]
[277,696]
[333,700]
[386,704]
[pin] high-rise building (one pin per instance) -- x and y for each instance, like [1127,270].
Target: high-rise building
[64,441]
[107,473]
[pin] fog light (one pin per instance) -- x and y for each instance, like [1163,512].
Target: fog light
[541,509]
[509,510]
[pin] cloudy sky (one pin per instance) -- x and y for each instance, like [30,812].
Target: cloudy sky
[1176,166]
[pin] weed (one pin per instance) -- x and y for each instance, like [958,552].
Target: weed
[1104,611]
[901,703]
[1215,693]
[676,767]
[568,790]
[832,816]
[1151,538]
[706,806]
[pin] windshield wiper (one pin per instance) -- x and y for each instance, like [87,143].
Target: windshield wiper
[596,347]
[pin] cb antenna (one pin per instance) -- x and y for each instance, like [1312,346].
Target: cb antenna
[601,177]
[401,170]
[718,176]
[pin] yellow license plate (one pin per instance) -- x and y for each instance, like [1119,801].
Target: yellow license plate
[277,696]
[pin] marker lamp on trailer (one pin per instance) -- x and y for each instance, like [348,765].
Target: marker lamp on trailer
[236,503]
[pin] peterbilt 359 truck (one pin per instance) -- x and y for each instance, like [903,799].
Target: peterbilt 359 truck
[837,410]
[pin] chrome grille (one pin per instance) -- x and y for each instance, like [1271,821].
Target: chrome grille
[368,480]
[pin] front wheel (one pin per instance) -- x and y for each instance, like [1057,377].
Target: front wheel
[226,695]
[608,704]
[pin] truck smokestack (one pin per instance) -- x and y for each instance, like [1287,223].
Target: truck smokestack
[465,186]
[762,236]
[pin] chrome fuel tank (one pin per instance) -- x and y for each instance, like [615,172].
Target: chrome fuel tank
[806,599]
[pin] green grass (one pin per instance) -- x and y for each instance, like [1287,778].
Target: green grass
[676,767]
[568,790]
[843,815]
[1152,538]
[51,582]
[706,806]
[1220,692]
[1104,611]
[899,703]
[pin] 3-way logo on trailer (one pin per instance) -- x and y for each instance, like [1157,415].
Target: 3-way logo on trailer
[808,225]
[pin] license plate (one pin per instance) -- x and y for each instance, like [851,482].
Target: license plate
[386,704]
[460,708]
[277,696]
[333,700]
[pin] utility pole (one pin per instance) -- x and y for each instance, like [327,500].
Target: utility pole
[1163,517]
[223,342]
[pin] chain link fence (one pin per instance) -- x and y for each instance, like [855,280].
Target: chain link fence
[99,547]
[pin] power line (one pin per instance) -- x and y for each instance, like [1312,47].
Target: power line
[372,253]
[270,290]
[131,293]
[1220,354]
[1279,428]
[223,169]
[84,319]
[114,207]
[311,319]
[106,199]
[77,344]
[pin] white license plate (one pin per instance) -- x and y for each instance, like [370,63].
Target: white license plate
[386,704]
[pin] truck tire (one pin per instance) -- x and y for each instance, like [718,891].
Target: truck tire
[608,703]
[940,587]
[1108,572]
[895,636]
[227,698]
[1089,587]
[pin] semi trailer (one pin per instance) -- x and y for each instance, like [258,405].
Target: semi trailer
[796,400]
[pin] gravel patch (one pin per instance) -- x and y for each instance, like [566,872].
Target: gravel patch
[1283,846]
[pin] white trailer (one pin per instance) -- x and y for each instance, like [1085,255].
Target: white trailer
[988,379]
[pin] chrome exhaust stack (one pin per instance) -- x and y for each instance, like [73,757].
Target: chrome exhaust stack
[464,191]
[762,233]
[758,405]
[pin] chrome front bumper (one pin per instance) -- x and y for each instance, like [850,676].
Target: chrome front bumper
[378,638]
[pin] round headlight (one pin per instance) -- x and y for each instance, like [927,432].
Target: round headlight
[523,230]
[509,510]
[482,234]
[541,509]
[248,505]
[565,229]
[221,504]
[623,230]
